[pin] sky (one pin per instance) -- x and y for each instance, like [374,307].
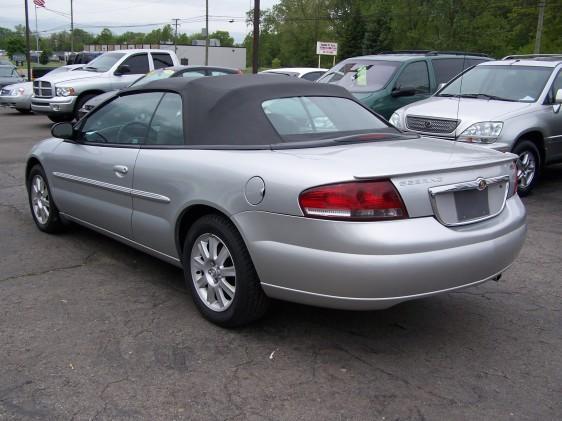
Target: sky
[93,15]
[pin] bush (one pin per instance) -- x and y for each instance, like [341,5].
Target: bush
[44,57]
[275,63]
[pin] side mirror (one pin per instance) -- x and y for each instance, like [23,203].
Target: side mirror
[558,97]
[63,130]
[122,70]
[441,86]
[406,91]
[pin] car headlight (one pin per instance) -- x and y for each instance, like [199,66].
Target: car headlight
[395,120]
[65,91]
[17,92]
[483,132]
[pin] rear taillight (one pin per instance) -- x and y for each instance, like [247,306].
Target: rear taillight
[354,201]
[514,180]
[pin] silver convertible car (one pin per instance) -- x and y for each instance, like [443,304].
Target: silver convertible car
[262,187]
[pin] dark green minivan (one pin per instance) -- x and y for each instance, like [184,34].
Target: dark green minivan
[385,82]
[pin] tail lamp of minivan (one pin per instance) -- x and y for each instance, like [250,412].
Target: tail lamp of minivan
[354,201]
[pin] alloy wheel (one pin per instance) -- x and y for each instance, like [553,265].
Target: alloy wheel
[526,169]
[213,272]
[40,199]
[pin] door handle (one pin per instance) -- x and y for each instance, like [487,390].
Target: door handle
[120,170]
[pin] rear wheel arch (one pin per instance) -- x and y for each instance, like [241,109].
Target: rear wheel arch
[188,217]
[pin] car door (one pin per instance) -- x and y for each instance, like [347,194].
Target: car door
[414,77]
[93,176]
[138,66]
[156,182]
[553,121]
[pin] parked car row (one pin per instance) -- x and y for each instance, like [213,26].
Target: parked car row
[511,105]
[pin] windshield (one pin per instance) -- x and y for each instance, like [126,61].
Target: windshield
[104,62]
[308,118]
[7,71]
[154,75]
[504,83]
[361,75]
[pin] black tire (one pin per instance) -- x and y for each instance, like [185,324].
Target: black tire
[56,118]
[21,110]
[80,103]
[522,148]
[249,302]
[52,224]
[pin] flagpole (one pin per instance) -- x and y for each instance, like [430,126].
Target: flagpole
[36,30]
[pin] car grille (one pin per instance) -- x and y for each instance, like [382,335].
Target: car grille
[42,89]
[431,125]
[5,92]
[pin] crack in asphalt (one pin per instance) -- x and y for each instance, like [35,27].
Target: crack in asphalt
[25,275]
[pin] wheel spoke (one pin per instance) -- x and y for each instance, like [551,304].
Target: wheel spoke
[230,271]
[221,299]
[226,287]
[198,263]
[222,256]
[213,247]
[211,294]
[201,281]
[202,246]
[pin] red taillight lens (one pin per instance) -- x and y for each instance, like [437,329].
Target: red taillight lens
[515,178]
[356,201]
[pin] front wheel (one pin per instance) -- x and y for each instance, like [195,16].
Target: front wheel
[43,209]
[220,274]
[23,111]
[528,166]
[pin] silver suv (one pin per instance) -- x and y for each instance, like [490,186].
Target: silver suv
[61,96]
[512,105]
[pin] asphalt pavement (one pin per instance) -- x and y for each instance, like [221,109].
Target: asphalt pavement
[93,330]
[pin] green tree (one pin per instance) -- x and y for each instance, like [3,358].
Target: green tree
[45,56]
[224,37]
[15,45]
[105,37]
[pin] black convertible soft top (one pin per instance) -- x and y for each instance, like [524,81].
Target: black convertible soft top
[227,110]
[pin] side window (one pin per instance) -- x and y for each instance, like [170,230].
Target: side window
[167,125]
[138,64]
[447,68]
[414,76]
[162,60]
[124,120]
[193,74]
[312,76]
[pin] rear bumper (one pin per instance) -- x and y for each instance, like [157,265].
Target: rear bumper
[364,266]
[53,106]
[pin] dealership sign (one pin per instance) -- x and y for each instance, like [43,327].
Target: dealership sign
[327,48]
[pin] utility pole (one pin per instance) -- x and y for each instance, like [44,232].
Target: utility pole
[71,28]
[176,36]
[256,40]
[542,3]
[206,32]
[27,54]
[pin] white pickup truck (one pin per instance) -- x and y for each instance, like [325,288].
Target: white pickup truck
[60,96]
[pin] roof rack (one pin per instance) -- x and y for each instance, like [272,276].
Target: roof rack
[545,57]
[434,53]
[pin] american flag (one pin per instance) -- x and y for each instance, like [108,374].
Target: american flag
[39,3]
